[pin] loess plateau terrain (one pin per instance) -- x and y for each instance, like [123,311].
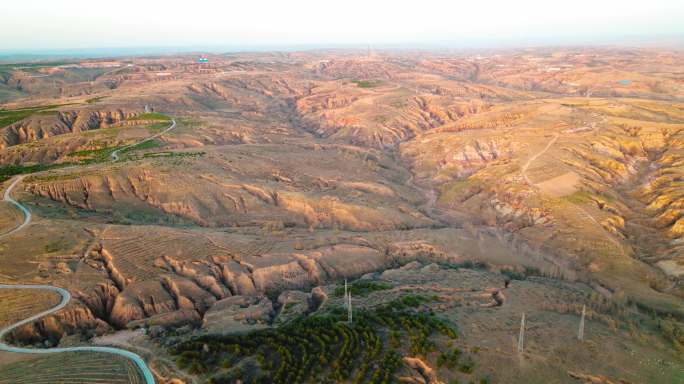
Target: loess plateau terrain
[206,216]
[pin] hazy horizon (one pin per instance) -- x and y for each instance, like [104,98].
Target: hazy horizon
[74,27]
[668,42]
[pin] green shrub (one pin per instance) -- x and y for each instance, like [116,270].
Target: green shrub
[318,348]
[362,288]
[467,365]
[364,83]
[449,358]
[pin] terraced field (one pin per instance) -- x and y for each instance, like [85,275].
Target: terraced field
[18,304]
[71,368]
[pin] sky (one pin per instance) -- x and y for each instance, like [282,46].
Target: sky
[37,25]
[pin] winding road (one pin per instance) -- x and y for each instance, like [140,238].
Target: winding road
[66,296]
[8,198]
[115,154]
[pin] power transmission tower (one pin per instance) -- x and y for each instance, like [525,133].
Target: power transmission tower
[521,337]
[349,310]
[580,333]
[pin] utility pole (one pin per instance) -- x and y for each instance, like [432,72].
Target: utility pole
[349,310]
[580,333]
[521,337]
[345,298]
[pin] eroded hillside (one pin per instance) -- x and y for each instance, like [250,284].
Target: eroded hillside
[287,173]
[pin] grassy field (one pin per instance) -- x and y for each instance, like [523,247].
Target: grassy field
[151,116]
[94,155]
[100,155]
[71,368]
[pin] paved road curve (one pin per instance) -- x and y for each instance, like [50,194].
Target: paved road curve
[66,296]
[8,198]
[115,154]
[139,362]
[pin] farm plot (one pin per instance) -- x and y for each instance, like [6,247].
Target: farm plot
[18,304]
[71,368]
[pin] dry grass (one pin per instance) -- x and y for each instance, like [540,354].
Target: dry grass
[10,217]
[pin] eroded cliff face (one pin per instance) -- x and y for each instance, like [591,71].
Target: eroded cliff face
[589,184]
[187,288]
[75,318]
[47,124]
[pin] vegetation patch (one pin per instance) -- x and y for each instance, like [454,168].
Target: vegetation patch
[94,155]
[362,288]
[449,358]
[104,154]
[521,275]
[365,83]
[55,246]
[579,197]
[322,348]
[94,100]
[11,170]
[157,127]
[11,116]
[174,154]
[673,331]
[467,264]
[149,144]
[151,116]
